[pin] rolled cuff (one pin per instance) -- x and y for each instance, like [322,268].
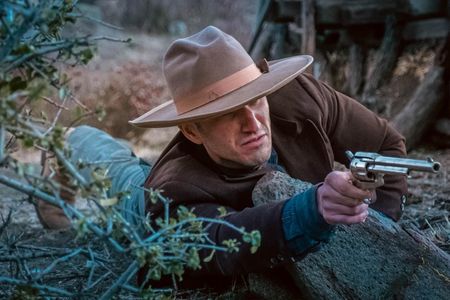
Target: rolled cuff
[303,225]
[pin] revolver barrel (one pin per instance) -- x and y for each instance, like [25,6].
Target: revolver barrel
[412,164]
[376,163]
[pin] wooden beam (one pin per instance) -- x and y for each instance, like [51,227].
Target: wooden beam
[426,29]
[309,28]
[353,12]
[384,63]
[356,69]
[422,108]
[424,7]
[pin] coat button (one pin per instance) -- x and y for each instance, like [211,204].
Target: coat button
[280,258]
[403,199]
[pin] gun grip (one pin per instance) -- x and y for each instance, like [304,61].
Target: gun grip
[369,185]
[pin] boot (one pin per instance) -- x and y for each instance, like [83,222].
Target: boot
[51,216]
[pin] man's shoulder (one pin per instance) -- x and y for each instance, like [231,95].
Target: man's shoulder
[177,163]
[177,173]
[300,99]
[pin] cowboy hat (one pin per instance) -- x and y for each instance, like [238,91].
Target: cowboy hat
[210,74]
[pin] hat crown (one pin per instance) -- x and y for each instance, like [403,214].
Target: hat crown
[202,59]
[210,74]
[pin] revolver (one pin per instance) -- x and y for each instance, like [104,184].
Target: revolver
[369,167]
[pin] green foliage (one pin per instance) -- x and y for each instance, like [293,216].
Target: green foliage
[32,49]
[222,211]
[232,245]
[30,33]
[254,239]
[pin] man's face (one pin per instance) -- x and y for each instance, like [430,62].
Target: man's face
[239,139]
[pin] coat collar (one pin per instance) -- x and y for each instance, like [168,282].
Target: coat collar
[227,174]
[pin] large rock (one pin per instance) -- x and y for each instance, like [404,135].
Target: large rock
[377,259]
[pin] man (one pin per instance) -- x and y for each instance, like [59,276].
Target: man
[237,122]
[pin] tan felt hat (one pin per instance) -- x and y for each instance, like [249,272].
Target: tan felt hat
[210,74]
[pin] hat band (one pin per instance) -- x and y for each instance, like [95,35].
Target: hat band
[217,89]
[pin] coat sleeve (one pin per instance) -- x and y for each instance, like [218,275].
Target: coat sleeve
[351,126]
[265,218]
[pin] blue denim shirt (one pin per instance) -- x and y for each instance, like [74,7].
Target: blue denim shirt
[304,227]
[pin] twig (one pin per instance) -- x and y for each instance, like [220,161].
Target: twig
[431,227]
[190,220]
[123,279]
[75,121]
[24,58]
[91,272]
[70,167]
[106,275]
[55,262]
[131,288]
[5,222]
[56,118]
[134,235]
[40,287]
[103,23]
[77,101]
[108,38]
[5,25]
[68,209]
[54,103]
[37,70]
[6,258]
[2,142]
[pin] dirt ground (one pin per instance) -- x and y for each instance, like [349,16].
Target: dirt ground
[428,206]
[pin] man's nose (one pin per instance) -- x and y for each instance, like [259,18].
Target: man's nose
[249,121]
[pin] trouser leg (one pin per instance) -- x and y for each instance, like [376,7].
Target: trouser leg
[96,148]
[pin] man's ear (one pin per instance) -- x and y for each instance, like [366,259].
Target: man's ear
[191,132]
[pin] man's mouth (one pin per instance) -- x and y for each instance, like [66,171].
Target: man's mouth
[254,141]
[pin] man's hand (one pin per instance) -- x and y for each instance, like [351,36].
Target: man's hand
[340,202]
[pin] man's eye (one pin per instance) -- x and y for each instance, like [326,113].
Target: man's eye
[255,102]
[231,115]
[228,116]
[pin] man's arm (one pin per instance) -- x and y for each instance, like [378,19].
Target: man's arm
[288,228]
[351,126]
[265,218]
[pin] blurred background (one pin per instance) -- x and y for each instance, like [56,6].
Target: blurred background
[389,55]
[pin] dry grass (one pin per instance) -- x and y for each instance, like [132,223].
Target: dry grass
[417,62]
[126,91]
[429,199]
[182,17]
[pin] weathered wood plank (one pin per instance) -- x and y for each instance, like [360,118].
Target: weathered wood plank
[425,7]
[309,28]
[355,69]
[426,29]
[414,118]
[352,12]
[384,63]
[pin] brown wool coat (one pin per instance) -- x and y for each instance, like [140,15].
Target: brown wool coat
[312,126]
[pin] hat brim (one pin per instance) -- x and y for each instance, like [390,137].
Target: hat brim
[281,72]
